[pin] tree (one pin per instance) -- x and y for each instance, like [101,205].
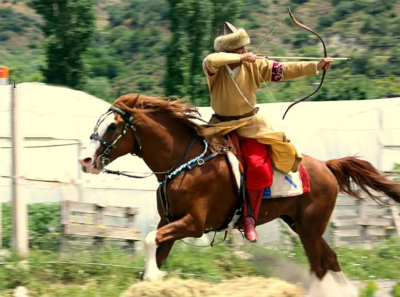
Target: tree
[194,25]
[199,26]
[176,75]
[68,27]
[224,11]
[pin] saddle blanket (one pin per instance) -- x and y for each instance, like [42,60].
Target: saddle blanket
[284,184]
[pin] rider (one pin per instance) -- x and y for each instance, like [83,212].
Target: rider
[233,75]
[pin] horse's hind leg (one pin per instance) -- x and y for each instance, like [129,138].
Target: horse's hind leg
[333,282]
[325,253]
[329,259]
[327,278]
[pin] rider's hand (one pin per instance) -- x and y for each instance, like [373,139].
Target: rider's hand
[248,57]
[325,64]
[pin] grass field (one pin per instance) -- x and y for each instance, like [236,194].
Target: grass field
[110,271]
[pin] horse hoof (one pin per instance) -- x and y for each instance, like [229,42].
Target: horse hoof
[154,276]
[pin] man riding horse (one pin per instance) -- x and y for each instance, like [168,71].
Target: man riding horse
[233,76]
[189,202]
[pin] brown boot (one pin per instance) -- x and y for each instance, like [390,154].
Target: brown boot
[249,227]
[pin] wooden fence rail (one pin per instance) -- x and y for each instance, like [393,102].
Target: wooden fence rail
[360,223]
[98,222]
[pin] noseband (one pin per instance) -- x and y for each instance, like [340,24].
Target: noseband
[128,118]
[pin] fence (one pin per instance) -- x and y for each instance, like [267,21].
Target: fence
[355,222]
[98,222]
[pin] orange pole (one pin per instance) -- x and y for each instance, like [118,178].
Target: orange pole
[4,75]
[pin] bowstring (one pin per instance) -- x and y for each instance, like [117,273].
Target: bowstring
[269,35]
[265,40]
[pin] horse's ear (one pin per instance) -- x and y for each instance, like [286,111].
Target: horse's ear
[137,101]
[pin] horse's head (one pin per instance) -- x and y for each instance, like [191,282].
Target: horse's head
[111,138]
[158,121]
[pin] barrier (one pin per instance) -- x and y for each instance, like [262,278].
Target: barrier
[363,223]
[4,75]
[98,222]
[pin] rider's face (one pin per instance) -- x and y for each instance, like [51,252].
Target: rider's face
[241,50]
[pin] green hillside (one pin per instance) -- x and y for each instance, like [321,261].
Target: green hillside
[132,40]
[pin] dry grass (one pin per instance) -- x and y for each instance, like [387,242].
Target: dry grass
[239,287]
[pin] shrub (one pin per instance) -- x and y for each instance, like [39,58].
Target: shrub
[13,274]
[396,290]
[13,21]
[44,225]
[369,290]
[4,36]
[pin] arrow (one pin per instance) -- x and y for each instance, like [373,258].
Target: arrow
[298,58]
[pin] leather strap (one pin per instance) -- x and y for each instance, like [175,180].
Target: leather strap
[234,118]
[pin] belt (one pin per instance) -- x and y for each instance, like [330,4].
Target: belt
[234,118]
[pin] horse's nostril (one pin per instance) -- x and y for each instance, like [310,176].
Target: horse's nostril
[87,161]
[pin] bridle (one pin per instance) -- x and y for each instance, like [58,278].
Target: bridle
[128,118]
[170,174]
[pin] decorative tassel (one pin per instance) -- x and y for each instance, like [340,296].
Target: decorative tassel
[305,179]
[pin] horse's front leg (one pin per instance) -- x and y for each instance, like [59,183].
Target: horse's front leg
[159,243]
[154,255]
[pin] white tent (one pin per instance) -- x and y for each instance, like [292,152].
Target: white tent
[335,129]
[57,122]
[54,122]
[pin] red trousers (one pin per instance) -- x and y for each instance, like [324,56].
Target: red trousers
[258,171]
[258,164]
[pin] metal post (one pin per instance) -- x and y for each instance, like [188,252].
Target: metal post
[396,217]
[4,75]
[19,206]
[1,225]
[79,181]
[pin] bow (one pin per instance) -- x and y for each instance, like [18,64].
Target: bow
[325,55]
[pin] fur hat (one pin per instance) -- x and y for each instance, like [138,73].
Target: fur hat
[230,38]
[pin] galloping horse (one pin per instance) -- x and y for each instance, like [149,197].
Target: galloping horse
[200,195]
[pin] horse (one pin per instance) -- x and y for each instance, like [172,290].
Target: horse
[199,195]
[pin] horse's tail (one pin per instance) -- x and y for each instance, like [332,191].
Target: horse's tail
[351,170]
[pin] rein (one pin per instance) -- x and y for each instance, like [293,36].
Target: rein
[170,173]
[167,172]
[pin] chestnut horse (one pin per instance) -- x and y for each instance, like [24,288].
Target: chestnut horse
[203,198]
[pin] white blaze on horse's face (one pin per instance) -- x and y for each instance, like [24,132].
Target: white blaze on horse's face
[89,159]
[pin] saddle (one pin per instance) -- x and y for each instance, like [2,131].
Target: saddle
[284,184]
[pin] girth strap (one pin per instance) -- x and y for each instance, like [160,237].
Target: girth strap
[163,185]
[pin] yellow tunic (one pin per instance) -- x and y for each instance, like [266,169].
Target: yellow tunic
[227,100]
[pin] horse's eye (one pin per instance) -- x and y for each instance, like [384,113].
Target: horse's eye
[111,129]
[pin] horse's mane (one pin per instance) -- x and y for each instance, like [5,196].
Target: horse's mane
[176,109]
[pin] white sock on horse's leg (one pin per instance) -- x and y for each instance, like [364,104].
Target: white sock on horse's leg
[350,289]
[151,272]
[333,284]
